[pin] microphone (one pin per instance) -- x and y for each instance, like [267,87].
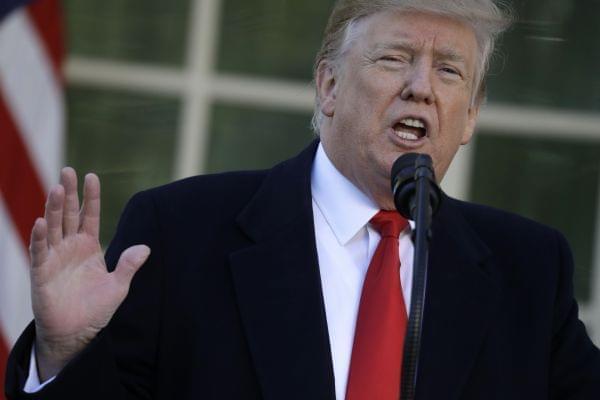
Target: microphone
[417,197]
[407,170]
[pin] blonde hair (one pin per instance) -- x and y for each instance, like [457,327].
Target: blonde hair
[487,20]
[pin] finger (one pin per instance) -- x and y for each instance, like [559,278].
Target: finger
[130,262]
[54,213]
[90,211]
[68,179]
[38,248]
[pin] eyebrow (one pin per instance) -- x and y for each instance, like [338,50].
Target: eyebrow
[449,54]
[445,53]
[394,46]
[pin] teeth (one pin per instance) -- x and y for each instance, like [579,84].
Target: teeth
[415,123]
[407,135]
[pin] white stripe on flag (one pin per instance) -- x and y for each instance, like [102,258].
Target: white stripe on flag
[15,299]
[32,93]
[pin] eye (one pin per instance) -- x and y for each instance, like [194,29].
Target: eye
[394,58]
[450,70]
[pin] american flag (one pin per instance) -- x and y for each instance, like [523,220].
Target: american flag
[31,144]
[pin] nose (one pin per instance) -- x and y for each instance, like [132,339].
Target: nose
[417,86]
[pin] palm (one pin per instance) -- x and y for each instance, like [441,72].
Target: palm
[73,290]
[73,294]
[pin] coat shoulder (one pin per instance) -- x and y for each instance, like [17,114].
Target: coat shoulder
[217,194]
[490,222]
[516,242]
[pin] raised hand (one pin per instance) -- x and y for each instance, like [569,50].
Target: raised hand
[73,294]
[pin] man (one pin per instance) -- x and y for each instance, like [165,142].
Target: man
[256,284]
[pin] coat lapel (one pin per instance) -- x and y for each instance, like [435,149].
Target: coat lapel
[278,287]
[461,295]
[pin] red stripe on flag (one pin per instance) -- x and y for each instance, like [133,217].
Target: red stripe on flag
[3,359]
[46,16]
[20,185]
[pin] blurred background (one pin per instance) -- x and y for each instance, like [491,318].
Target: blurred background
[158,90]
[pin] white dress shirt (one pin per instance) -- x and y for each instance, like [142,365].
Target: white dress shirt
[345,244]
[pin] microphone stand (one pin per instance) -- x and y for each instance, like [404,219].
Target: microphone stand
[421,210]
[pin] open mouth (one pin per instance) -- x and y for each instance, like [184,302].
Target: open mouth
[410,129]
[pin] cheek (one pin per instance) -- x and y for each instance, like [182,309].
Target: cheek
[454,114]
[453,123]
[372,92]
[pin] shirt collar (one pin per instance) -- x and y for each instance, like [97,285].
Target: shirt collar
[345,208]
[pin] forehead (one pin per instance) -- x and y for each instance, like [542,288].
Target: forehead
[420,31]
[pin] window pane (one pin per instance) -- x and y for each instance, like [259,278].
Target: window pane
[246,138]
[551,57]
[128,30]
[127,139]
[272,37]
[552,181]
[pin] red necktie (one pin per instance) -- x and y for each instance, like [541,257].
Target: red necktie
[376,363]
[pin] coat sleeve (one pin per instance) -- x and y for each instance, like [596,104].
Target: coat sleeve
[575,361]
[120,363]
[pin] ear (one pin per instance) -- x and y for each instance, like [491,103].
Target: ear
[472,116]
[326,88]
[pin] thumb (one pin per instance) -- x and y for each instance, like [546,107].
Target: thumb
[130,261]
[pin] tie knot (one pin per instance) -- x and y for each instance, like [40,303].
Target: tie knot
[389,223]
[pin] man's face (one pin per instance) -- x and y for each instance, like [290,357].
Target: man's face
[405,85]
